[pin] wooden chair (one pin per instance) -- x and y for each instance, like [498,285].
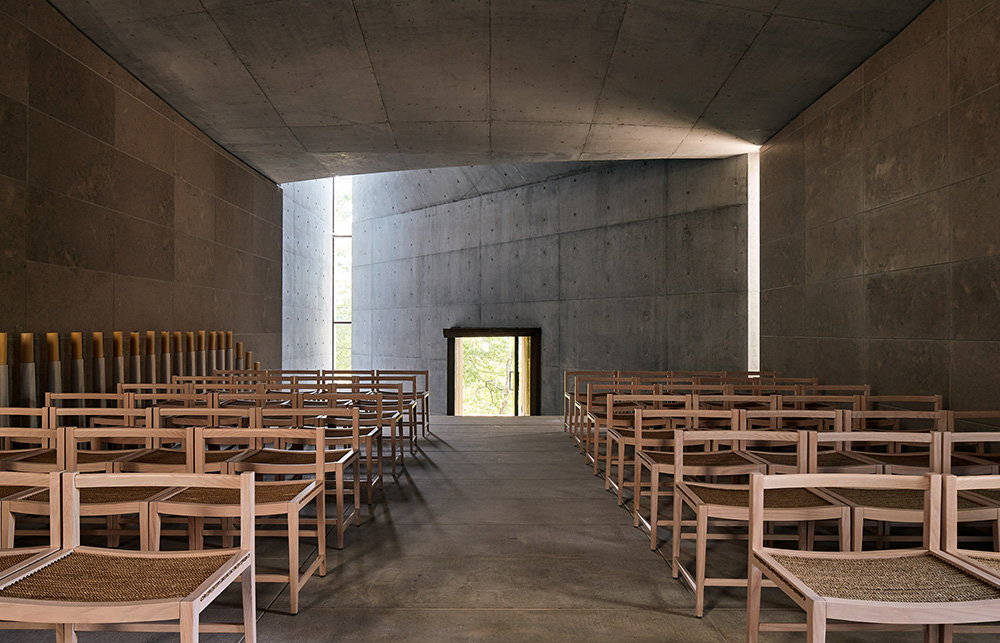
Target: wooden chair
[782,419]
[335,464]
[14,485]
[86,588]
[421,393]
[570,388]
[392,413]
[600,416]
[28,440]
[987,486]
[373,417]
[873,590]
[622,437]
[661,463]
[272,498]
[401,390]
[110,503]
[888,507]
[582,400]
[731,502]
[970,453]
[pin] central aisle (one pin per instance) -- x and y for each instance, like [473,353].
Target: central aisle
[497,531]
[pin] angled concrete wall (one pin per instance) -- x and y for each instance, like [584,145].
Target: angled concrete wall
[307,275]
[880,235]
[608,260]
[115,212]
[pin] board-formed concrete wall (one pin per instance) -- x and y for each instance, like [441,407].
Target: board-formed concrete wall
[880,229]
[636,265]
[307,275]
[115,212]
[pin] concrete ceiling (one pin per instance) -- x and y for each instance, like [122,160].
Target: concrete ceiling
[302,89]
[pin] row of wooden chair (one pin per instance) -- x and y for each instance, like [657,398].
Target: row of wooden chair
[653,430]
[320,450]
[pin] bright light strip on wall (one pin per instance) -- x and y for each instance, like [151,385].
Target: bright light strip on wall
[753,261]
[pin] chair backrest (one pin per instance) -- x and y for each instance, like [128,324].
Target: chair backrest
[932,441]
[896,419]
[707,401]
[72,482]
[929,484]
[311,417]
[111,400]
[183,400]
[777,418]
[151,388]
[977,442]
[952,485]
[818,401]
[100,416]
[140,436]
[836,389]
[903,402]
[209,416]
[734,439]
[974,420]
[25,417]
[51,480]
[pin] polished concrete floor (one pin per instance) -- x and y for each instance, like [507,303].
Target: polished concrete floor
[497,531]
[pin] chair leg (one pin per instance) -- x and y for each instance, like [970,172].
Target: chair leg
[816,623]
[293,556]
[66,633]
[701,554]
[621,471]
[676,532]
[637,491]
[753,602]
[857,530]
[247,583]
[321,530]
[340,510]
[7,528]
[189,623]
[357,491]
[654,501]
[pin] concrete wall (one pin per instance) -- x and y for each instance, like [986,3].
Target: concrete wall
[115,212]
[880,235]
[307,275]
[610,261]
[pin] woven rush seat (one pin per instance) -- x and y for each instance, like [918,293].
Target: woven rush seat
[773,499]
[651,434]
[94,578]
[715,459]
[177,457]
[991,562]
[83,457]
[11,559]
[104,495]
[912,459]
[274,456]
[263,494]
[905,579]
[777,457]
[894,498]
[992,494]
[835,459]
[6,453]
[10,490]
[45,457]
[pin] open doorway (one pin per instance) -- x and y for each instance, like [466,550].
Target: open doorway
[493,371]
